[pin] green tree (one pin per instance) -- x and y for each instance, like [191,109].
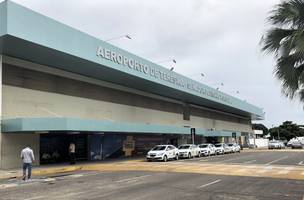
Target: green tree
[286,131]
[261,127]
[285,39]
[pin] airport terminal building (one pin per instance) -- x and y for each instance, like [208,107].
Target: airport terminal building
[60,85]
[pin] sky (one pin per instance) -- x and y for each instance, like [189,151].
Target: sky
[218,38]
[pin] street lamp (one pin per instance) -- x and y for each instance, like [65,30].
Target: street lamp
[169,60]
[118,37]
[162,61]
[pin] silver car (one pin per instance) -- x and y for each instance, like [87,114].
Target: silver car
[275,144]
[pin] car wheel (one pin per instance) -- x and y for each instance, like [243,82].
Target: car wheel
[148,160]
[176,157]
[165,158]
[189,155]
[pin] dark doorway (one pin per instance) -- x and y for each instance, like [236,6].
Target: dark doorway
[54,147]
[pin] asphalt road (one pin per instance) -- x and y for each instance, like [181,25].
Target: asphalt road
[263,158]
[149,185]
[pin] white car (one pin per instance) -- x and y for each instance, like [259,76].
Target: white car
[274,144]
[233,147]
[162,152]
[237,147]
[297,144]
[188,151]
[220,148]
[228,148]
[207,149]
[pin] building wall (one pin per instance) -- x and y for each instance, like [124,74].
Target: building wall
[21,102]
[12,144]
[30,93]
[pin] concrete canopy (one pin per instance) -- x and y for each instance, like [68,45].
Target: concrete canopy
[31,36]
[21,125]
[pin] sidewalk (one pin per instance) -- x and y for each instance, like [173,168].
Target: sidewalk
[61,168]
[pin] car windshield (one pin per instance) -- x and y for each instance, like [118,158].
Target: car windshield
[158,148]
[218,145]
[203,146]
[184,147]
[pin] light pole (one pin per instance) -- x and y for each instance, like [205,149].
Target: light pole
[162,61]
[168,60]
[118,37]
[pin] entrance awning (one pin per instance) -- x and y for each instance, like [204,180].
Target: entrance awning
[71,124]
[217,133]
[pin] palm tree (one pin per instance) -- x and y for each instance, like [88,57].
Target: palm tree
[286,40]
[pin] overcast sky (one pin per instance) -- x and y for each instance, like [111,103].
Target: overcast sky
[219,38]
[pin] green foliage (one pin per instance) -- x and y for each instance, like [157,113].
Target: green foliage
[286,40]
[286,131]
[261,127]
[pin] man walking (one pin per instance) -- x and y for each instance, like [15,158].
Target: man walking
[28,158]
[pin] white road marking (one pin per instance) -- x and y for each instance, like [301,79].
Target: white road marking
[32,198]
[131,179]
[266,169]
[211,183]
[250,161]
[75,175]
[286,170]
[282,158]
[4,186]
[49,179]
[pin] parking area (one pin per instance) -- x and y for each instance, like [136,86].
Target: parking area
[155,185]
[274,157]
[245,176]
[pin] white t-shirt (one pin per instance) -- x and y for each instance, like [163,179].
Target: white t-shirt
[27,155]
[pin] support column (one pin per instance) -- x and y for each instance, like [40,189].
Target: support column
[1,164]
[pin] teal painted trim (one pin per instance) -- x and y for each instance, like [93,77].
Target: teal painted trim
[70,124]
[3,19]
[216,133]
[33,27]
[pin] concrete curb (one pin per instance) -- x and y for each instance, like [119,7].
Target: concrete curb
[40,172]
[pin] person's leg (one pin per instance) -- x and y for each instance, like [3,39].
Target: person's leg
[29,174]
[24,171]
[73,158]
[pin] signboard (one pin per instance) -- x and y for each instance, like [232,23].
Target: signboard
[158,73]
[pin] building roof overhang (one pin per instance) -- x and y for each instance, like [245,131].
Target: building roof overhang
[33,37]
[73,125]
